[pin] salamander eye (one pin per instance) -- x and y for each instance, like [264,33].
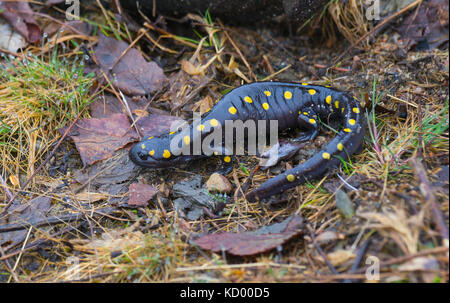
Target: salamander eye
[142,155]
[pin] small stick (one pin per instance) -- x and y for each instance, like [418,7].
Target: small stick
[36,243]
[143,32]
[11,270]
[321,252]
[238,51]
[53,220]
[428,193]
[361,253]
[5,186]
[339,69]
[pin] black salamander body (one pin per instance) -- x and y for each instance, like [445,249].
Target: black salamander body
[293,105]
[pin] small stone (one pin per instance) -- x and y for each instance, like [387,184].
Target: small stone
[218,183]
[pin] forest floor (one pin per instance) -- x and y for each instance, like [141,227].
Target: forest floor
[69,107]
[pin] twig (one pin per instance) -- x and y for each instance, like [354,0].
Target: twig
[428,193]
[403,259]
[5,186]
[321,252]
[238,51]
[10,268]
[54,220]
[20,255]
[420,150]
[127,49]
[361,253]
[37,243]
[338,69]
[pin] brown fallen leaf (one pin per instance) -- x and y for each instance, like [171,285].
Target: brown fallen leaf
[190,68]
[253,242]
[204,105]
[157,125]
[428,26]
[107,105]
[340,256]
[33,211]
[97,139]
[10,39]
[20,16]
[90,196]
[140,194]
[148,124]
[130,73]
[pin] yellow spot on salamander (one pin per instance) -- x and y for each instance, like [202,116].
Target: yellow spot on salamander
[305,84]
[248,99]
[352,121]
[152,152]
[208,110]
[227,159]
[149,138]
[336,104]
[328,99]
[200,127]
[143,146]
[288,95]
[356,110]
[187,140]
[214,122]
[312,92]
[312,121]
[305,113]
[290,178]
[342,110]
[265,106]
[326,156]
[267,93]
[347,130]
[166,154]
[232,110]
[340,146]
[171,133]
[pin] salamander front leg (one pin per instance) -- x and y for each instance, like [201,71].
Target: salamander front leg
[307,119]
[227,160]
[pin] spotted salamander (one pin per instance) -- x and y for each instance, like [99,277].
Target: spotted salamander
[294,105]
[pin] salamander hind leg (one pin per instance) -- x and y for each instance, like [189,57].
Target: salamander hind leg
[307,119]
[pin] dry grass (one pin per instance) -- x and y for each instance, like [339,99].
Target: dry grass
[38,95]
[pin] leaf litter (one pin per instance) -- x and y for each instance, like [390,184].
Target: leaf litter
[109,179]
[253,242]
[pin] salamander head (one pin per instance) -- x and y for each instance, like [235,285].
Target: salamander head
[156,153]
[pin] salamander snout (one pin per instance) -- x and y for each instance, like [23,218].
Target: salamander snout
[141,157]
